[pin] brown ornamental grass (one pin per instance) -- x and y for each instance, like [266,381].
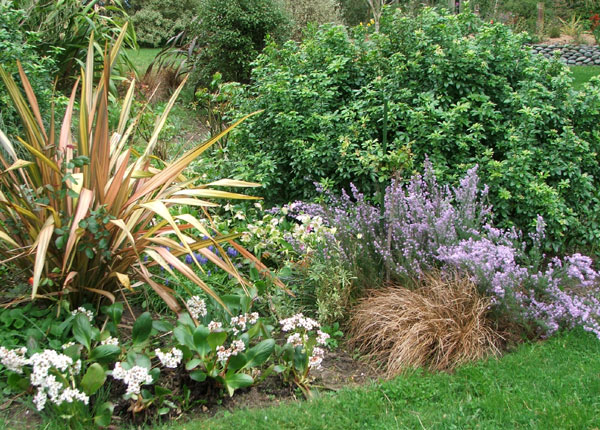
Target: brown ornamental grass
[439,324]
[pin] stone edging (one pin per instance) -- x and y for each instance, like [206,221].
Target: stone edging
[578,55]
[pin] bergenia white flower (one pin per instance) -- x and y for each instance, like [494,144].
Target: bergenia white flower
[84,311]
[170,359]
[134,378]
[197,307]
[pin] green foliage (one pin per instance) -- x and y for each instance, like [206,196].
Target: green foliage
[354,11]
[457,90]
[229,35]
[157,21]
[17,44]
[65,26]
[307,12]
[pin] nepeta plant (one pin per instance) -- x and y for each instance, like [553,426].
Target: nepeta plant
[428,226]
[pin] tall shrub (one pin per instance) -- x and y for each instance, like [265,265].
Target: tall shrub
[229,35]
[450,86]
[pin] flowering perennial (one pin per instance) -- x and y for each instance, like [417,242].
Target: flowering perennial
[134,378]
[170,359]
[84,311]
[427,226]
[197,307]
[238,324]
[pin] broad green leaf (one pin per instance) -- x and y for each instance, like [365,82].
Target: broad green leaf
[105,353]
[82,331]
[141,328]
[93,379]
[259,353]
[104,414]
[201,344]
[216,339]
[198,375]
[234,381]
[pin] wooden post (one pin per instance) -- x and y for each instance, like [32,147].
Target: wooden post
[460,6]
[452,6]
[540,18]
[477,9]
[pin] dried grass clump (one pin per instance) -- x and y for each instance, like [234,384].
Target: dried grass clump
[440,324]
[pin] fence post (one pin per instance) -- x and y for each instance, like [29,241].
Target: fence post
[540,18]
[452,6]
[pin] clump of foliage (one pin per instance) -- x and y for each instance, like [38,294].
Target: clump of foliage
[157,21]
[65,26]
[440,324]
[426,226]
[85,213]
[365,107]
[16,44]
[227,37]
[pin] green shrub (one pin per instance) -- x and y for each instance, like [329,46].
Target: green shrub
[457,90]
[15,45]
[157,21]
[228,36]
[64,28]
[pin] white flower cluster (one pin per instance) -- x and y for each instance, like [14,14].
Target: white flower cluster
[13,359]
[110,341]
[134,378]
[67,345]
[297,339]
[315,360]
[84,311]
[197,307]
[48,387]
[238,324]
[322,337]
[215,326]
[236,347]
[170,359]
[267,230]
[298,321]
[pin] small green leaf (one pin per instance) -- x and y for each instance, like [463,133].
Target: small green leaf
[234,381]
[192,364]
[258,354]
[104,414]
[93,379]
[105,353]
[198,376]
[216,339]
[184,336]
[141,328]
[201,344]
[17,382]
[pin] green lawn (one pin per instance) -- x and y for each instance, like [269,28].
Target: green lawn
[549,385]
[142,57]
[582,74]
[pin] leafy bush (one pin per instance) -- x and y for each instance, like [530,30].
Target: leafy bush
[365,107]
[227,37]
[157,21]
[17,45]
[64,28]
[83,213]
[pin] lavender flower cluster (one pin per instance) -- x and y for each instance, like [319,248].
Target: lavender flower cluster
[426,225]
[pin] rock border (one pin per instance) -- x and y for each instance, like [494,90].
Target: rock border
[570,54]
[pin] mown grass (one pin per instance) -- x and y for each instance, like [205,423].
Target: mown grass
[582,74]
[142,57]
[548,385]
